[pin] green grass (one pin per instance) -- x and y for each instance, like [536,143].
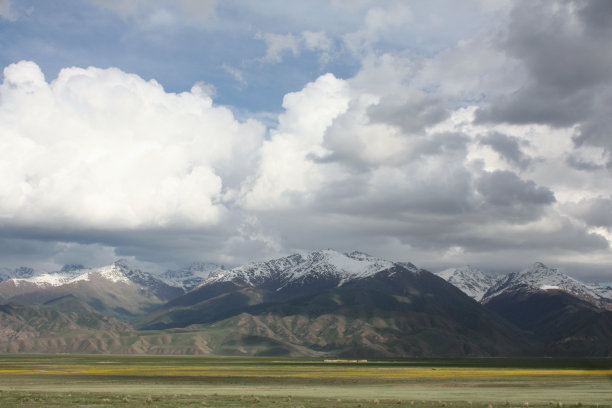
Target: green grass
[139,381]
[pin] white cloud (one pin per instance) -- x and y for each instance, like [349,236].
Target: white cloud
[100,148]
[391,160]
[287,168]
[319,42]
[378,22]
[162,12]
[279,44]
[237,74]
[6,10]
[392,155]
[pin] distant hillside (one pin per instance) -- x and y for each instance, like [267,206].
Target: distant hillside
[63,325]
[116,290]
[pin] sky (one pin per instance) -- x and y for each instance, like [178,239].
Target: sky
[438,132]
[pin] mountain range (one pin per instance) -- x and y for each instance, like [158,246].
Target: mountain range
[482,287]
[315,303]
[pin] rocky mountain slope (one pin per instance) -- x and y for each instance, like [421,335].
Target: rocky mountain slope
[62,325]
[340,304]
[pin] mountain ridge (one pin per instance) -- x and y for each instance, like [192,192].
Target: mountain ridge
[538,276]
[310,303]
[339,304]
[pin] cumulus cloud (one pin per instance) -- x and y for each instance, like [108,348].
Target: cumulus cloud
[105,149]
[410,183]
[484,145]
[287,174]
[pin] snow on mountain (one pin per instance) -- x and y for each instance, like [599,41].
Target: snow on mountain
[72,267]
[472,281]
[51,279]
[21,272]
[190,277]
[541,277]
[5,273]
[604,292]
[116,272]
[317,264]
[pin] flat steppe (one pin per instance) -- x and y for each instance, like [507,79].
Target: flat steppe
[186,381]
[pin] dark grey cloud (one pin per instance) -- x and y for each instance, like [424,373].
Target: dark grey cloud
[579,164]
[390,194]
[14,250]
[594,130]
[411,113]
[494,239]
[234,242]
[596,212]
[568,62]
[425,237]
[505,188]
[597,15]
[447,143]
[512,198]
[557,49]
[508,147]
[538,103]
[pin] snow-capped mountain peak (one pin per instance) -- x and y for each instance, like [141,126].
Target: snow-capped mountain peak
[119,272]
[472,281]
[327,264]
[540,277]
[49,279]
[72,267]
[191,276]
[116,272]
[18,273]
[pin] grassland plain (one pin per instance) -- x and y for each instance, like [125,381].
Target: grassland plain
[137,381]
